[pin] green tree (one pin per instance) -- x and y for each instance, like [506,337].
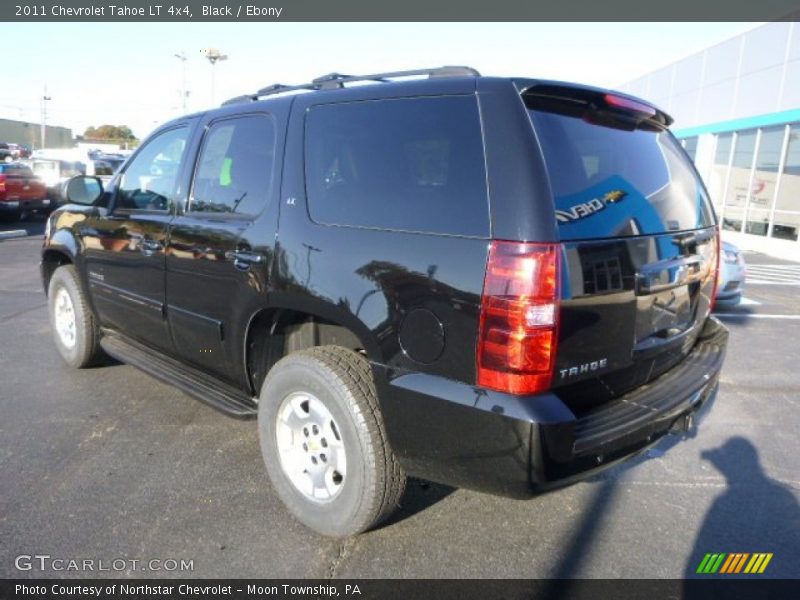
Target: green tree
[110,133]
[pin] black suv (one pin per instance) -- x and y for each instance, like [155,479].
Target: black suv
[496,283]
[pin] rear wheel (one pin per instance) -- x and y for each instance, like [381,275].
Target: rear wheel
[324,443]
[74,328]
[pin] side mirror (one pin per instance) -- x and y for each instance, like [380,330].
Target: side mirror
[83,190]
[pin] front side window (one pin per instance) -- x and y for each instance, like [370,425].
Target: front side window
[150,180]
[402,164]
[234,171]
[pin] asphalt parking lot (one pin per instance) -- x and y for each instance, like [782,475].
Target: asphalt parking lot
[108,463]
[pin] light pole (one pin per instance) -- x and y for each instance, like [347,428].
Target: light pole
[45,99]
[213,55]
[181,56]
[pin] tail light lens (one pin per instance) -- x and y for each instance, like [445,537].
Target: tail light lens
[519,317]
[715,269]
[2,183]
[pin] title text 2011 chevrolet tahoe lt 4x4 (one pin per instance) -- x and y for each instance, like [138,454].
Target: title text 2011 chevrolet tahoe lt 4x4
[496,283]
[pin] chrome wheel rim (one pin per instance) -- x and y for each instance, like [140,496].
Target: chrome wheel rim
[310,447]
[65,318]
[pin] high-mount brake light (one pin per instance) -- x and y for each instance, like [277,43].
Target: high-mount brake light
[630,105]
[519,317]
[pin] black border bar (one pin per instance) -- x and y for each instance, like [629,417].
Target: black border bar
[400,10]
[711,588]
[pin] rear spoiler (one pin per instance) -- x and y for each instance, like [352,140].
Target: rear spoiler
[597,106]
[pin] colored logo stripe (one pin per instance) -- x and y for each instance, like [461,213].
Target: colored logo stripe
[758,563]
[710,563]
[734,562]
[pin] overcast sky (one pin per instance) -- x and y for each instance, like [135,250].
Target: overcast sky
[127,74]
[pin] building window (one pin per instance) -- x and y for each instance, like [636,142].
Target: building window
[739,180]
[786,223]
[690,145]
[719,170]
[762,191]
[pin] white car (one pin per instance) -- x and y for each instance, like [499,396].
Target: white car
[731,276]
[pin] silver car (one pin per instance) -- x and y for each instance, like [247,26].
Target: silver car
[732,274]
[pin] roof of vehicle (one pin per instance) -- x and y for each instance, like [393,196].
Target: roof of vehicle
[440,80]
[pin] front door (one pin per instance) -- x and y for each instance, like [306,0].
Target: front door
[125,249]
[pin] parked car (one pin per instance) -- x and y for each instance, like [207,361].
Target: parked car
[732,275]
[55,172]
[6,155]
[20,191]
[19,151]
[330,262]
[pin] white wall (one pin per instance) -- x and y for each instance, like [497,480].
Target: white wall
[755,73]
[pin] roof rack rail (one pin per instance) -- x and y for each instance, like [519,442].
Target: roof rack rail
[338,80]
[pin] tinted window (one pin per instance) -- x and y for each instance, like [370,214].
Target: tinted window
[150,179]
[611,182]
[234,171]
[102,168]
[410,164]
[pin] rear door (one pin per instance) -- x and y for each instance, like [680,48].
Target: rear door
[639,242]
[220,245]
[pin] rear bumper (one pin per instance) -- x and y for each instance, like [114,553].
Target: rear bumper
[518,446]
[17,206]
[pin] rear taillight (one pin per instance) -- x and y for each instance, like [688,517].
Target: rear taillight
[715,269]
[519,317]
[2,183]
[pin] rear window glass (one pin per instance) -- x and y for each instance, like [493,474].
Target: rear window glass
[16,171]
[611,182]
[409,164]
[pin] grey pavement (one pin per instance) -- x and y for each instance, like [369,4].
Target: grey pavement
[108,463]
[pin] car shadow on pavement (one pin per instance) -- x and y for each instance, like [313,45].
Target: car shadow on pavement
[32,225]
[419,496]
[755,514]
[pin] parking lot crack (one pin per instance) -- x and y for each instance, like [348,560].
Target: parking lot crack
[342,552]
[22,312]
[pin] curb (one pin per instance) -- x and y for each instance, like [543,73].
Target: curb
[14,233]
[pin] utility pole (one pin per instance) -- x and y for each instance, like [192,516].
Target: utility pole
[181,56]
[45,99]
[213,55]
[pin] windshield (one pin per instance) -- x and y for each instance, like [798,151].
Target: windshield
[614,182]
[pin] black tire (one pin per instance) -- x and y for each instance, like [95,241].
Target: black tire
[374,482]
[85,351]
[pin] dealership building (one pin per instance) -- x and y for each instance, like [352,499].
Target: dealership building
[737,112]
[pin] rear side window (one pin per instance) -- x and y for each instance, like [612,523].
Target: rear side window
[234,171]
[611,182]
[407,165]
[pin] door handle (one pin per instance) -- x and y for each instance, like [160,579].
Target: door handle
[149,247]
[242,259]
[665,275]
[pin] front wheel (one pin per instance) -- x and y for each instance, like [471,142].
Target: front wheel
[324,443]
[74,328]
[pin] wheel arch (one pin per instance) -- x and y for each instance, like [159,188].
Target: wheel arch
[274,332]
[53,258]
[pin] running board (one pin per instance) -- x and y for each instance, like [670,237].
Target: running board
[197,384]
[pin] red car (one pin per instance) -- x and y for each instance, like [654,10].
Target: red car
[20,191]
